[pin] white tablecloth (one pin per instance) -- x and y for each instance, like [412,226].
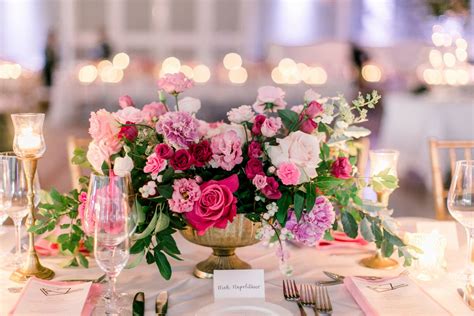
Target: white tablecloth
[409,121]
[187,294]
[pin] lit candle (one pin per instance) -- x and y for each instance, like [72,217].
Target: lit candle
[29,141]
[381,160]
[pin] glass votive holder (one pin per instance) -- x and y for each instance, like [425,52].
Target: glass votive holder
[429,251]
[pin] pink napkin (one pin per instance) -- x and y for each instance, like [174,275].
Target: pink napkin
[46,248]
[92,298]
[341,239]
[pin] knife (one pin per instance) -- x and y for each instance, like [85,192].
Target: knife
[338,277]
[138,306]
[161,303]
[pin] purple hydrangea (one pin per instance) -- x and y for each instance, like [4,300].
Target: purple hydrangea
[313,224]
[179,128]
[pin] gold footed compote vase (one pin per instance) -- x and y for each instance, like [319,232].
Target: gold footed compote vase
[240,233]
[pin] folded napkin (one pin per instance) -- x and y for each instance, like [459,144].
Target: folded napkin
[392,296]
[42,297]
[341,239]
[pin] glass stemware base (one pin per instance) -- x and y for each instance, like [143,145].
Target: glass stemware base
[123,302]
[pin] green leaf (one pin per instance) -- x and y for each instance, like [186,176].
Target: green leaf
[163,265]
[168,175]
[392,239]
[298,204]
[83,261]
[328,182]
[138,246]
[165,191]
[89,244]
[63,238]
[141,215]
[283,204]
[149,258]
[56,196]
[377,234]
[325,151]
[387,248]
[349,224]
[162,222]
[328,235]
[137,259]
[289,118]
[79,156]
[366,230]
[148,230]
[310,196]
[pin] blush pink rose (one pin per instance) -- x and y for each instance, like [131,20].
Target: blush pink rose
[125,101]
[288,173]
[154,164]
[271,189]
[269,99]
[216,206]
[185,193]
[271,126]
[152,111]
[341,168]
[175,83]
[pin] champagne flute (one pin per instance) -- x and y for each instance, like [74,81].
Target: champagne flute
[461,206]
[112,233]
[17,205]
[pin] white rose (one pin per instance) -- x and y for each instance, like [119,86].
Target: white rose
[243,113]
[190,105]
[123,166]
[311,95]
[299,148]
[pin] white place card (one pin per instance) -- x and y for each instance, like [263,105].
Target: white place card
[444,228]
[235,284]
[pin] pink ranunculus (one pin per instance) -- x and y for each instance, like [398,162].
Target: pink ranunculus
[260,181]
[152,111]
[164,151]
[154,165]
[175,83]
[271,189]
[129,114]
[216,206]
[254,150]
[182,160]
[125,101]
[185,193]
[226,150]
[272,96]
[257,124]
[254,166]
[129,131]
[288,173]
[179,128]
[103,125]
[271,126]
[308,126]
[341,168]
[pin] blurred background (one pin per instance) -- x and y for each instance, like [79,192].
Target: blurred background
[67,58]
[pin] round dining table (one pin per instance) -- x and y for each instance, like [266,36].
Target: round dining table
[187,294]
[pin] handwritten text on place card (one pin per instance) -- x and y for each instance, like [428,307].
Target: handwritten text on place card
[239,284]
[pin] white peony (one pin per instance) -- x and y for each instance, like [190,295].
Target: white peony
[123,166]
[299,148]
[190,105]
[243,113]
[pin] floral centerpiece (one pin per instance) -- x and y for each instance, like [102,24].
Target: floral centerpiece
[290,169]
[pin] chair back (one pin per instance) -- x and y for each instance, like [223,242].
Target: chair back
[456,150]
[74,142]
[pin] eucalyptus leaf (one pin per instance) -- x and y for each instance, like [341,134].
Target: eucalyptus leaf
[349,224]
[366,230]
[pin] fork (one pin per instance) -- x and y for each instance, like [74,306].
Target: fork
[290,292]
[323,303]
[307,296]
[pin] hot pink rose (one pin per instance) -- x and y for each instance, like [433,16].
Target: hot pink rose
[271,189]
[185,193]
[341,168]
[125,101]
[181,160]
[152,111]
[269,99]
[175,83]
[257,125]
[271,126]
[260,181]
[254,150]
[154,164]
[254,166]
[164,151]
[217,205]
[288,173]
[129,131]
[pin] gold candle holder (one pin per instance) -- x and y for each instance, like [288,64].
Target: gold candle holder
[381,160]
[29,146]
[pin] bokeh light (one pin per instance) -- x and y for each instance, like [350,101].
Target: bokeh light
[170,65]
[238,76]
[121,61]
[232,61]
[371,73]
[87,74]
[187,71]
[202,73]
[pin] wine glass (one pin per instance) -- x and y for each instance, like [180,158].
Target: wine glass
[15,201]
[461,206]
[113,212]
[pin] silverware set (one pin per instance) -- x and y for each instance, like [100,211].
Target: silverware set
[308,295]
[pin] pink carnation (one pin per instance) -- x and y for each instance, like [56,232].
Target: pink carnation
[152,111]
[125,101]
[289,173]
[175,83]
[271,126]
[154,164]
[269,99]
[179,128]
[185,193]
[226,150]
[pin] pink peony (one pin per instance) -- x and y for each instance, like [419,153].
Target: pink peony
[103,125]
[341,168]
[152,111]
[175,83]
[164,151]
[271,126]
[185,193]
[254,150]
[241,114]
[254,166]
[154,165]
[226,150]
[216,206]
[269,98]
[129,114]
[312,225]
[125,101]
[260,181]
[288,173]
[271,189]
[179,128]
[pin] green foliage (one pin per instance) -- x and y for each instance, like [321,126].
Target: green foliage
[290,119]
[349,224]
